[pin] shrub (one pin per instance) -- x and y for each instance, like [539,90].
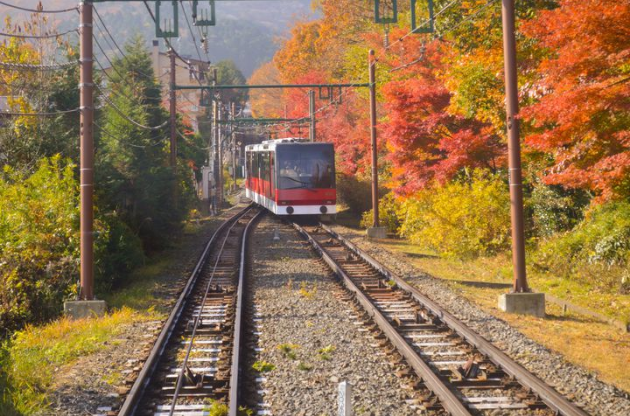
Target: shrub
[596,250]
[355,193]
[554,209]
[39,223]
[388,207]
[460,219]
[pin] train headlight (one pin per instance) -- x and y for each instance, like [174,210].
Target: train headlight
[290,210]
[323,209]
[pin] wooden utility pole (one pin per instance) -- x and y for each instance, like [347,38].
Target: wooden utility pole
[86,86]
[514,148]
[372,66]
[173,110]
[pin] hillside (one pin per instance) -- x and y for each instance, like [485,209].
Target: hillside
[246,32]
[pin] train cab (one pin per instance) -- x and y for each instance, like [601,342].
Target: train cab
[292,176]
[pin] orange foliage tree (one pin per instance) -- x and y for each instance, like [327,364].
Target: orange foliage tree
[583,114]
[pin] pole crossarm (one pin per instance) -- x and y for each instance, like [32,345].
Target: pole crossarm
[268,86]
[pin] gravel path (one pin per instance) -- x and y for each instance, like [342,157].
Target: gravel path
[96,383]
[302,309]
[578,384]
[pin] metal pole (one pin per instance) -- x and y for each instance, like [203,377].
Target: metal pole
[372,65]
[232,133]
[311,108]
[514,149]
[220,155]
[86,85]
[173,111]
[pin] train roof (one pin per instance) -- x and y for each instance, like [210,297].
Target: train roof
[271,144]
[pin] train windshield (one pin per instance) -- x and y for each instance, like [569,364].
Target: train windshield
[306,166]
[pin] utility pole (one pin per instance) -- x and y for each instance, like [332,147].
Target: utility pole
[521,300]
[311,109]
[173,111]
[86,85]
[233,134]
[514,148]
[372,66]
[218,135]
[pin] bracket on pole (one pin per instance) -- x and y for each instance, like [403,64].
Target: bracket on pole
[385,19]
[381,17]
[204,17]
[414,26]
[170,30]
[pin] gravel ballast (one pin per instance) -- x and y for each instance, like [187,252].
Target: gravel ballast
[578,384]
[97,383]
[303,311]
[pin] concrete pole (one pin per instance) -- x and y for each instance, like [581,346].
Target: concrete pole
[372,66]
[173,111]
[86,86]
[311,108]
[514,148]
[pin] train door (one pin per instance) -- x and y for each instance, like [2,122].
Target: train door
[272,177]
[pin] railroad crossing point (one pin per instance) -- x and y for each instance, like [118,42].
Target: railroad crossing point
[80,309]
[377,232]
[523,303]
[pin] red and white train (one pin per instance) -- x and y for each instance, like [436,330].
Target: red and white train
[292,176]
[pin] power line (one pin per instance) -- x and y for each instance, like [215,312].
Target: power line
[43,114]
[52,35]
[104,29]
[39,11]
[54,67]
[192,33]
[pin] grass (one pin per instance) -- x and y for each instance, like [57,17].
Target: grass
[288,350]
[263,366]
[326,352]
[583,341]
[31,359]
[302,366]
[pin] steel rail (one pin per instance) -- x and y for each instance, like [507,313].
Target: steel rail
[197,318]
[238,322]
[547,394]
[144,377]
[448,399]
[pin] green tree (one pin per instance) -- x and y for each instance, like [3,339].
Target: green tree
[229,74]
[134,178]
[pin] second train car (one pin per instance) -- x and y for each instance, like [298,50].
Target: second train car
[292,176]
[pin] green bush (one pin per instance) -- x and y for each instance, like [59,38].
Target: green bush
[596,250]
[118,252]
[554,209]
[355,193]
[460,219]
[39,221]
[388,207]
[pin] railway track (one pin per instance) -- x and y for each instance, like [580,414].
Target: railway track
[195,361]
[465,374]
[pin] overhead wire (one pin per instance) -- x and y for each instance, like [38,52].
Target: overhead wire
[47,36]
[38,11]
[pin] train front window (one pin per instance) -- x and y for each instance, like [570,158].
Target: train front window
[306,166]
